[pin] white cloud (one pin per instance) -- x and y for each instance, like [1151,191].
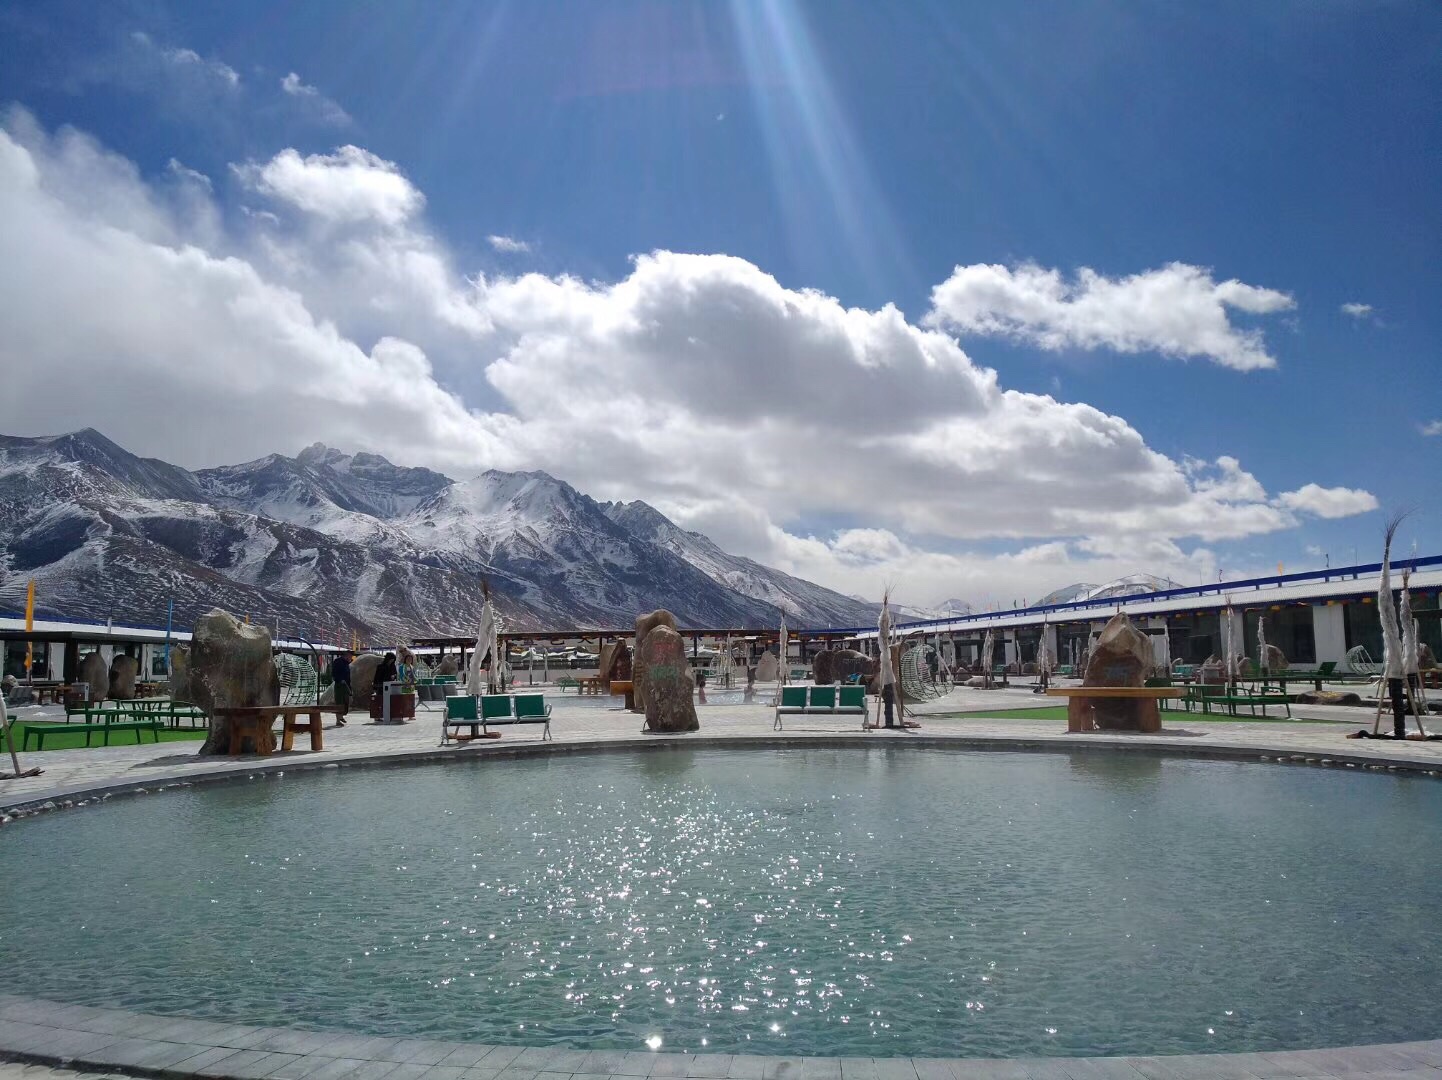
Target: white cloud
[1356,310]
[213,350]
[697,382]
[188,62]
[350,185]
[1334,502]
[507,244]
[321,107]
[1433,427]
[1177,310]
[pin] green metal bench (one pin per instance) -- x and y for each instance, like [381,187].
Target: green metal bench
[829,700]
[495,710]
[39,733]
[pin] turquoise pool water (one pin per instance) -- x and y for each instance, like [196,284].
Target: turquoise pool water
[799,901]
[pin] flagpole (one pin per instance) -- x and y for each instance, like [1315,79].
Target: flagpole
[29,642]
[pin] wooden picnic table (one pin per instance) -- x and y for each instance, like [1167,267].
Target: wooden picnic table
[1081,707]
[591,684]
[256,722]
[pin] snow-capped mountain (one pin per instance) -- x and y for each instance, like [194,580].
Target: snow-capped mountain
[804,603]
[328,543]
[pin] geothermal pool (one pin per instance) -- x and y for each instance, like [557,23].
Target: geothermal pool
[807,901]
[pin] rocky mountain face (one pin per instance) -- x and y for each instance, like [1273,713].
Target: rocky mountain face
[327,544]
[804,603]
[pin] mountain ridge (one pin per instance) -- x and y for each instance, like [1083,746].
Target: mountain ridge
[334,544]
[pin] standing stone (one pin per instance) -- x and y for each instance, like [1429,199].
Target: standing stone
[96,675]
[823,668]
[769,668]
[666,694]
[179,672]
[448,666]
[1275,660]
[615,665]
[123,670]
[231,667]
[848,662]
[644,625]
[1121,657]
[362,679]
[1425,660]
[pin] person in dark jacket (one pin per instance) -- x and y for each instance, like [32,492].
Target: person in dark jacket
[386,671]
[340,681]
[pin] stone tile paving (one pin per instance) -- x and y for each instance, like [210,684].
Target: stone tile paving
[104,1040]
[69,774]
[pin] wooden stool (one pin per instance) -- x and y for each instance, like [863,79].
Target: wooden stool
[287,738]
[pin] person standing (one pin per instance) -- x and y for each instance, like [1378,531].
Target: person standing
[340,682]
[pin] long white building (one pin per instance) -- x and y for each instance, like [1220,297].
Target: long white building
[1312,617]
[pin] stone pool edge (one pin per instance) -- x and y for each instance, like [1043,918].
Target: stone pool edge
[250,768]
[37,1031]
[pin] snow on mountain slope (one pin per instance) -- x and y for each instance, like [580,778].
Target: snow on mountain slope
[329,542]
[805,603]
[543,531]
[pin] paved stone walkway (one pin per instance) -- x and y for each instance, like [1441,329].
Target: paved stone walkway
[961,716]
[110,1040]
[102,1041]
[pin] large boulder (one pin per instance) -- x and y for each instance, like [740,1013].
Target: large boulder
[123,670]
[1121,657]
[449,665]
[849,662]
[614,665]
[1425,660]
[768,668]
[95,674]
[666,694]
[644,625]
[362,679]
[838,665]
[230,666]
[179,672]
[1328,697]
[1275,660]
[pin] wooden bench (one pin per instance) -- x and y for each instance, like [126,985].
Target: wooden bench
[1081,704]
[592,685]
[256,723]
[820,700]
[493,710]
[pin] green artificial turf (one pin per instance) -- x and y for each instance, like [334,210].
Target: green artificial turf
[1058,712]
[76,740]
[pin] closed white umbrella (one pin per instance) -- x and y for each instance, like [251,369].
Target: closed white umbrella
[781,651]
[988,648]
[485,642]
[883,640]
[1262,644]
[1229,650]
[1409,629]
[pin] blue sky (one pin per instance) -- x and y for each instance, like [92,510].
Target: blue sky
[863,151]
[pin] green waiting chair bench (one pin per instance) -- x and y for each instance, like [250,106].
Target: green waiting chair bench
[829,700]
